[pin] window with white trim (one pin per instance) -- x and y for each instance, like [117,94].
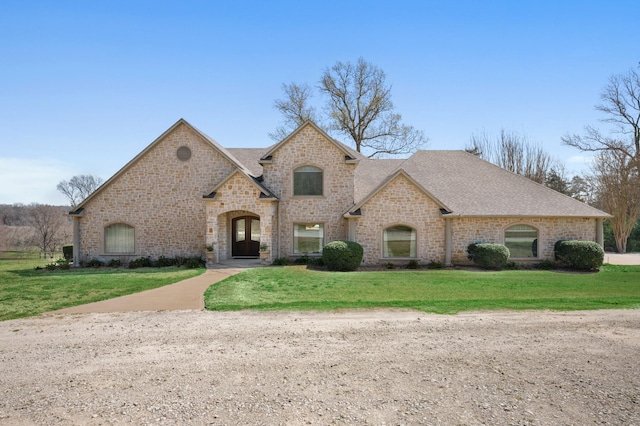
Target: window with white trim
[522,241]
[308,238]
[399,241]
[119,239]
[307,180]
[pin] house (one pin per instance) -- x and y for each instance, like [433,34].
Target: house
[185,191]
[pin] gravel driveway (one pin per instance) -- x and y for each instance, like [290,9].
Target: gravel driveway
[351,367]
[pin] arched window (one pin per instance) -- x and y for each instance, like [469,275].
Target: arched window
[119,238]
[399,241]
[522,241]
[307,180]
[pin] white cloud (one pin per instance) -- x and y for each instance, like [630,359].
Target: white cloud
[28,181]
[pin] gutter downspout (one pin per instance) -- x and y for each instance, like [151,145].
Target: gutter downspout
[447,241]
[600,232]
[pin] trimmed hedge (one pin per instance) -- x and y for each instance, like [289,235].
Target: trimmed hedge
[580,255]
[342,255]
[488,256]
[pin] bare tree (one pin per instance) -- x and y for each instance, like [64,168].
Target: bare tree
[358,106]
[621,106]
[50,227]
[513,152]
[79,187]
[295,109]
[617,183]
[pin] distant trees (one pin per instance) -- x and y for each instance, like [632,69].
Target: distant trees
[617,186]
[358,105]
[621,106]
[616,169]
[514,152]
[48,224]
[79,187]
[25,227]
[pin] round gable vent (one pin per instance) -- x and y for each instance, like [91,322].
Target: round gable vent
[184,153]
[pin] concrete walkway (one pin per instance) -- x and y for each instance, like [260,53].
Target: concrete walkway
[183,295]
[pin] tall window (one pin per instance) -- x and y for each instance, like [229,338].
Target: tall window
[308,238]
[399,241]
[119,238]
[522,241]
[307,180]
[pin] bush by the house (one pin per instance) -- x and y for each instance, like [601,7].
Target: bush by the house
[114,263]
[413,264]
[94,263]
[67,252]
[580,255]
[488,256]
[434,264]
[342,255]
[281,261]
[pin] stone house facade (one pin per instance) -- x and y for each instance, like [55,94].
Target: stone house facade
[185,192]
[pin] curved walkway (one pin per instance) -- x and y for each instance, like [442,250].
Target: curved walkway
[183,295]
[189,294]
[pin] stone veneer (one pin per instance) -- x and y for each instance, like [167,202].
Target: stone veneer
[309,147]
[238,196]
[401,202]
[160,196]
[467,230]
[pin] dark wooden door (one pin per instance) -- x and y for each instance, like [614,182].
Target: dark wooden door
[245,232]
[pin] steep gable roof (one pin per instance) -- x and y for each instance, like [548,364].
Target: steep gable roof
[215,145]
[470,186]
[264,191]
[350,154]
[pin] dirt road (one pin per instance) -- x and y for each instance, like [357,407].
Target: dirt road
[353,367]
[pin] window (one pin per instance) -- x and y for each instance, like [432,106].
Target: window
[522,241]
[399,241]
[307,180]
[308,238]
[119,238]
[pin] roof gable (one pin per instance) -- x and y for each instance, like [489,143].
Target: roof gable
[181,122]
[350,155]
[386,182]
[264,191]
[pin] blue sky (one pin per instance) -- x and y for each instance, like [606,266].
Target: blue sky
[87,85]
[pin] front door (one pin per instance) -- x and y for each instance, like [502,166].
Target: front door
[246,236]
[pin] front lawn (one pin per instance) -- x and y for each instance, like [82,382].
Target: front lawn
[25,292]
[440,291]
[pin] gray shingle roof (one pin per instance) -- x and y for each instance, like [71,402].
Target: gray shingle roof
[470,186]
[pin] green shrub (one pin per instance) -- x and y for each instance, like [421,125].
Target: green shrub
[281,261]
[413,264]
[342,255]
[114,263]
[194,262]
[434,264]
[94,263]
[165,261]
[488,256]
[67,251]
[546,265]
[580,255]
[141,262]
[302,260]
[390,265]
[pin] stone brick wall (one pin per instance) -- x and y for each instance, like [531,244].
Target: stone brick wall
[401,203]
[491,230]
[238,196]
[309,147]
[160,196]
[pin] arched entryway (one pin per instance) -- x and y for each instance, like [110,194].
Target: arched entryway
[245,235]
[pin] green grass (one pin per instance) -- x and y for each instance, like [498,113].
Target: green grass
[25,292]
[440,291]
